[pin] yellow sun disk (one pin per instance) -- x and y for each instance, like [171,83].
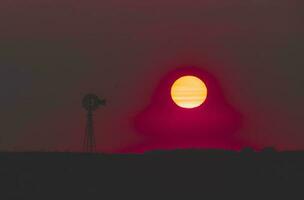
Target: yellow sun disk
[189,92]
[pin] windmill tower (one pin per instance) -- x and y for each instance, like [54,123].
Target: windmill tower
[90,102]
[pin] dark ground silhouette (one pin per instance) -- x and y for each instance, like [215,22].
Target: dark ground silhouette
[187,174]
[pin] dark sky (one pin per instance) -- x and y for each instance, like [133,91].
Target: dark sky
[52,52]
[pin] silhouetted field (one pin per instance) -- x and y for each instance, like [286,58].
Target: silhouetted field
[156,175]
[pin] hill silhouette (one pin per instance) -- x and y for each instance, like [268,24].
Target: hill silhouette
[158,175]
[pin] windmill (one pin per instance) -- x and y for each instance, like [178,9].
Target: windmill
[90,102]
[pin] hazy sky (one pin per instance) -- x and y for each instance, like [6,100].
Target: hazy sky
[52,52]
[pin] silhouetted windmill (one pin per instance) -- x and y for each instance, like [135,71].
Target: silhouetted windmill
[90,102]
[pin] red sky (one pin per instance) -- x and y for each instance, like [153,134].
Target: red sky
[53,52]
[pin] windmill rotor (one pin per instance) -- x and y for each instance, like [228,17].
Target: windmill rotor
[91,102]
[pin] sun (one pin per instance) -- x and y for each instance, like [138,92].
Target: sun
[189,92]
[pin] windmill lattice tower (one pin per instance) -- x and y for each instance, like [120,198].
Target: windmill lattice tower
[90,102]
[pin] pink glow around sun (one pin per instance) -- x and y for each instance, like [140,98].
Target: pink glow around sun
[212,123]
